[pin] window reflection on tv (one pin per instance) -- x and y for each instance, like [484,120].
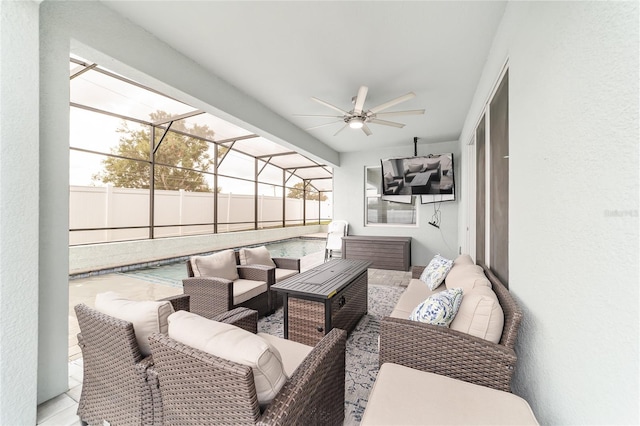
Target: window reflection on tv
[430,177]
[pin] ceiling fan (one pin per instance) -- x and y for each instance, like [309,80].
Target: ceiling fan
[358,117]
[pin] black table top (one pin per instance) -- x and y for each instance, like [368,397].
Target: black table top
[324,281]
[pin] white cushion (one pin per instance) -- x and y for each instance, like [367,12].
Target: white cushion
[244,290]
[415,293]
[415,168]
[292,353]
[436,271]
[146,316]
[256,256]
[463,259]
[282,274]
[433,163]
[438,309]
[480,315]
[466,277]
[219,265]
[234,344]
[398,397]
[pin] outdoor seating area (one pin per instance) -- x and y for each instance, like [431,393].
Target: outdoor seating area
[145,360]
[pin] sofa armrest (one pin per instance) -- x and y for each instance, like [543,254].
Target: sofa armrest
[189,268]
[287,263]
[244,318]
[315,392]
[416,271]
[179,302]
[258,273]
[440,350]
[208,296]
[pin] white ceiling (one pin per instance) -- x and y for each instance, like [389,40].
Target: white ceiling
[283,53]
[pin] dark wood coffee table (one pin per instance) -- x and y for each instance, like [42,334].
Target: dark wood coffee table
[332,295]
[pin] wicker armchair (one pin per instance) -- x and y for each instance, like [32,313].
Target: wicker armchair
[286,267]
[451,353]
[119,385]
[212,295]
[282,263]
[198,388]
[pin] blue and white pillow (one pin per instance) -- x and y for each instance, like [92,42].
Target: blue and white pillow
[435,273]
[438,309]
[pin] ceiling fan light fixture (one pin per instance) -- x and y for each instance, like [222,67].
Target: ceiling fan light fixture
[356,123]
[359,117]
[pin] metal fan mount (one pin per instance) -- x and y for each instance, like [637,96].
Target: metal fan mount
[358,117]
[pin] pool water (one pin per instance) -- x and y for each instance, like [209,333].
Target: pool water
[296,247]
[172,273]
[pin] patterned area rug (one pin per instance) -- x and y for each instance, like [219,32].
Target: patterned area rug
[362,348]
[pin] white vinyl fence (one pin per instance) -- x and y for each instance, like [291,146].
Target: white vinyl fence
[110,207]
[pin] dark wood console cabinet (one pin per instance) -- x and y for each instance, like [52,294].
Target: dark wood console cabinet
[382,252]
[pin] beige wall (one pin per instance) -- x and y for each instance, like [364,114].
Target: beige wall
[573,210]
[426,241]
[19,153]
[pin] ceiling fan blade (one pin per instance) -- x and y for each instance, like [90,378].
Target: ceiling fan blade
[393,102]
[366,130]
[386,123]
[362,94]
[327,104]
[322,125]
[317,115]
[341,129]
[408,112]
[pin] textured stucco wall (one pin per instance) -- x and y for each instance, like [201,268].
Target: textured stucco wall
[573,71]
[54,207]
[349,199]
[19,211]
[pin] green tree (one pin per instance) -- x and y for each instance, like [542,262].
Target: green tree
[297,191]
[176,150]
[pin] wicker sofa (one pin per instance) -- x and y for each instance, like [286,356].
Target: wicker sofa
[447,351]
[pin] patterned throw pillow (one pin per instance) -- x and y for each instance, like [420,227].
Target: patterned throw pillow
[439,308]
[435,273]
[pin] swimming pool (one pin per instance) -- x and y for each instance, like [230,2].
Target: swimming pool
[295,247]
[172,272]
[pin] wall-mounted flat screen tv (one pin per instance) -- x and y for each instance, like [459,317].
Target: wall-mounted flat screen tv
[430,177]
